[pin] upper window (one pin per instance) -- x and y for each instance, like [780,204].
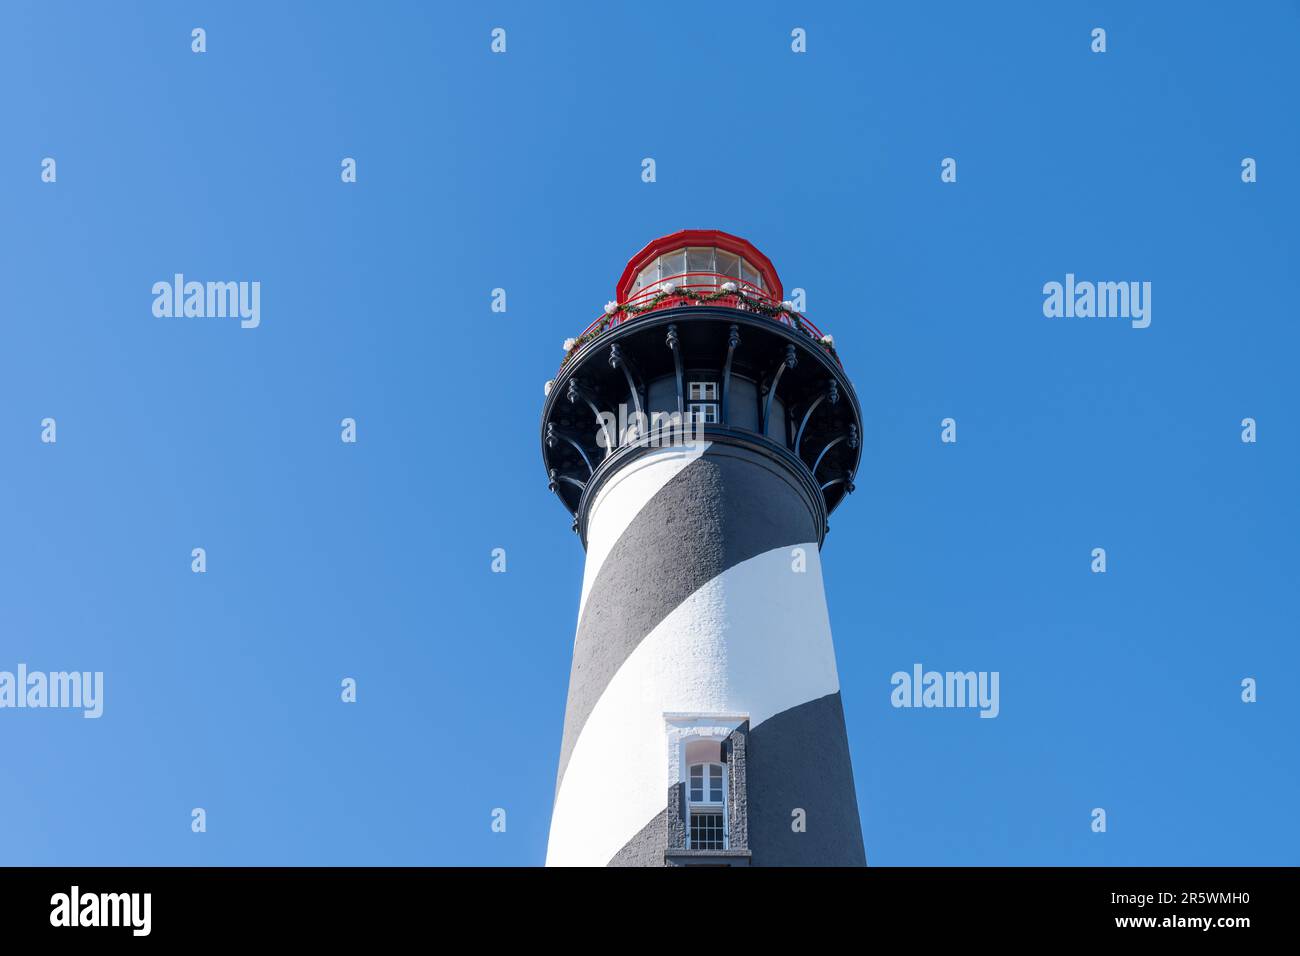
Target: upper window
[706,765]
[706,783]
[698,267]
[707,807]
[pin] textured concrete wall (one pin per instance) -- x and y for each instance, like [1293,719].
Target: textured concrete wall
[726,507]
[647,847]
[799,760]
[738,788]
[692,606]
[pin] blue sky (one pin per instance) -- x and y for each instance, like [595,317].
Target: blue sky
[522,171]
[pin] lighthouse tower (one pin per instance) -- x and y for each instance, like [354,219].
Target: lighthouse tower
[700,432]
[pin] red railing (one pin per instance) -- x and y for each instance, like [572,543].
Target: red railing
[688,287]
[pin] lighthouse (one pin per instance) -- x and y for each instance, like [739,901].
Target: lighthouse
[700,432]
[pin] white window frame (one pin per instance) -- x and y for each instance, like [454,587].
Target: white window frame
[682,728]
[702,391]
[708,806]
[708,766]
[705,413]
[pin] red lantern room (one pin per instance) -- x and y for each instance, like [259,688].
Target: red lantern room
[699,259]
[699,340]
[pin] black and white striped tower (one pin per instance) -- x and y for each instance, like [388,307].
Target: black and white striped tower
[700,433]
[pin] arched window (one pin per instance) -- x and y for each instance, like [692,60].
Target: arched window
[706,784]
[707,812]
[706,796]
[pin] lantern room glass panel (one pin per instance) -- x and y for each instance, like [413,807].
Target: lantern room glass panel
[700,262]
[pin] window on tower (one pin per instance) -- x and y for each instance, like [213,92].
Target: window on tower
[704,414]
[706,798]
[706,783]
[708,812]
[703,399]
[707,831]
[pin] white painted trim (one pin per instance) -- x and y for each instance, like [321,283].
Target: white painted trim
[683,728]
[684,717]
[707,806]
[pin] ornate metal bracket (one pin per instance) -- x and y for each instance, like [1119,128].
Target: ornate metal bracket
[851,436]
[577,391]
[618,360]
[733,340]
[674,343]
[556,478]
[846,481]
[790,362]
[554,435]
[832,394]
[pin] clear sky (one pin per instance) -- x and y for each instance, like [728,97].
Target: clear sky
[523,171]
